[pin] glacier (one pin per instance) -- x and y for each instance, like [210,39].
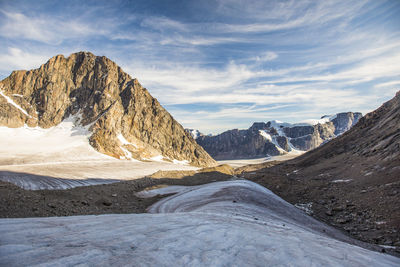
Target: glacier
[232,223]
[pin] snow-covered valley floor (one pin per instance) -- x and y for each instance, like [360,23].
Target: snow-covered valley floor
[33,157]
[233,223]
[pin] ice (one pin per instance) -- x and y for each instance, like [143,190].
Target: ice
[61,157]
[236,163]
[235,223]
[342,180]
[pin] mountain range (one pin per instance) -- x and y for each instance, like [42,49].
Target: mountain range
[275,138]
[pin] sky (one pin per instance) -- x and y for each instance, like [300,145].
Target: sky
[216,65]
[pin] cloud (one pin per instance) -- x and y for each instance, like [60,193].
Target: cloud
[236,61]
[163,23]
[45,29]
[266,56]
[16,59]
[287,15]
[368,70]
[388,84]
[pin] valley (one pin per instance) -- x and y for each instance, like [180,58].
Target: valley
[94,170]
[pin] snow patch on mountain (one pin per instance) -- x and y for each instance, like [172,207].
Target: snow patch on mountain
[194,133]
[266,135]
[10,101]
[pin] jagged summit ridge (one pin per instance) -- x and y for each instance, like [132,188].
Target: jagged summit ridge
[124,119]
[276,138]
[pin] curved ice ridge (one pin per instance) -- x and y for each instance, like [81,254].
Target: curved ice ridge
[234,223]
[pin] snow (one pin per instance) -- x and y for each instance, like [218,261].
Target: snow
[294,150]
[315,121]
[61,157]
[63,142]
[236,163]
[10,101]
[342,181]
[324,119]
[266,135]
[158,158]
[180,162]
[122,139]
[128,154]
[199,226]
[194,133]
[327,118]
[272,139]
[278,125]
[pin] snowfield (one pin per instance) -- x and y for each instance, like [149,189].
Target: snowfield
[234,223]
[236,163]
[61,157]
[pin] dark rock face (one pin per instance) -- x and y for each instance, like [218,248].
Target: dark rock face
[237,144]
[103,97]
[275,138]
[353,181]
[344,121]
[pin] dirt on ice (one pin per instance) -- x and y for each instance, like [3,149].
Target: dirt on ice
[97,199]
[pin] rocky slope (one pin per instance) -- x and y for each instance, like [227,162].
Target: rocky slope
[276,138]
[123,119]
[352,182]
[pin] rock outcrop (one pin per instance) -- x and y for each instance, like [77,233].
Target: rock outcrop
[275,138]
[123,118]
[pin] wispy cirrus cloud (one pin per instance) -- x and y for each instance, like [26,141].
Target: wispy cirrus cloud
[388,84]
[44,29]
[224,64]
[20,60]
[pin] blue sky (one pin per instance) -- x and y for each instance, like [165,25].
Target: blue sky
[217,65]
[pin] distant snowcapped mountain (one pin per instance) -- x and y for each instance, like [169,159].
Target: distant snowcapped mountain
[194,133]
[276,137]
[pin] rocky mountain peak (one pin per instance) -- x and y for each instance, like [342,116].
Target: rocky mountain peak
[276,138]
[100,95]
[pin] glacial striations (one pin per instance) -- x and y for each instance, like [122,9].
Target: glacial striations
[276,138]
[123,119]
